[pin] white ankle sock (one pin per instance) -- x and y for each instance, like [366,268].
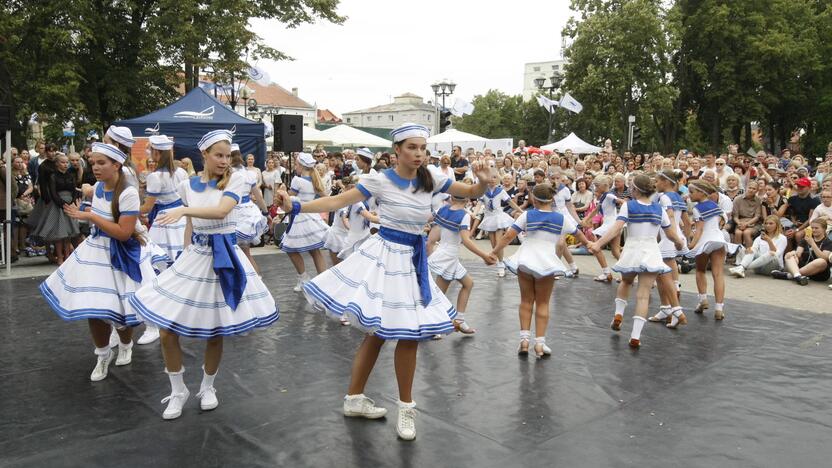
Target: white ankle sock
[207,380]
[620,305]
[102,352]
[460,316]
[638,324]
[411,404]
[676,311]
[525,334]
[124,346]
[703,297]
[177,380]
[573,266]
[719,305]
[540,340]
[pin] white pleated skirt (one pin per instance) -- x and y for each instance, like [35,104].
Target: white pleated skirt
[711,241]
[87,287]
[352,243]
[444,262]
[536,257]
[495,221]
[187,298]
[307,233]
[604,227]
[641,255]
[251,224]
[377,290]
[169,238]
[335,238]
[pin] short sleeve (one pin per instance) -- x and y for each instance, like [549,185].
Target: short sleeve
[128,202]
[665,220]
[370,185]
[295,186]
[465,224]
[696,214]
[182,190]
[623,213]
[664,200]
[569,226]
[567,195]
[154,184]
[237,187]
[441,182]
[520,223]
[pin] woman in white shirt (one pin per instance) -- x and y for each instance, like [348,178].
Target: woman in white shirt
[766,253]
[271,177]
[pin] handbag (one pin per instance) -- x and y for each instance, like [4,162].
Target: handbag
[25,205]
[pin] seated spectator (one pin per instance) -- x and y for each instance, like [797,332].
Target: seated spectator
[811,259]
[732,186]
[582,198]
[747,213]
[824,210]
[766,253]
[773,202]
[799,208]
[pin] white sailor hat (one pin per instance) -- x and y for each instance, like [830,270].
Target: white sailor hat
[110,151]
[235,147]
[160,142]
[212,137]
[409,130]
[306,160]
[122,135]
[366,153]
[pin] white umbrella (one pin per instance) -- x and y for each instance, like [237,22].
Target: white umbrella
[344,135]
[572,142]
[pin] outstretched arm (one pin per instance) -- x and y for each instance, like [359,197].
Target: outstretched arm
[321,205]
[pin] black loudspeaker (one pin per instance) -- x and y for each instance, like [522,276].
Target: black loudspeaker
[288,133]
[6,118]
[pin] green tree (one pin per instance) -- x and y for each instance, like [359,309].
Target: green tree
[499,115]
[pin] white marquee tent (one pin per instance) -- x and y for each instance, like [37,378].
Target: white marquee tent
[572,142]
[344,135]
[445,141]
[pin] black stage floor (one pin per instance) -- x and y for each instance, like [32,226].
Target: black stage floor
[751,391]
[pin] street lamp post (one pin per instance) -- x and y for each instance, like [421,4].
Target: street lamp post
[554,83]
[443,88]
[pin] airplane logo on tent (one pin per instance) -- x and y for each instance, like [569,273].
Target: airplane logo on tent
[207,114]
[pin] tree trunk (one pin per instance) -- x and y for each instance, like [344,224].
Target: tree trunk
[782,134]
[189,77]
[749,141]
[771,146]
[736,133]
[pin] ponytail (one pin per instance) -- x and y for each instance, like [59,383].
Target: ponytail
[317,183]
[165,160]
[424,179]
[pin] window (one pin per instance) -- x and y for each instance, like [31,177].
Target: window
[537,69]
[555,67]
[378,118]
[391,118]
[349,120]
[428,117]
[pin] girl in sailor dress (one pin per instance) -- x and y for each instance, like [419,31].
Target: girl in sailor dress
[305,232]
[97,280]
[385,288]
[211,290]
[495,221]
[536,264]
[336,235]
[708,246]
[670,311]
[607,204]
[641,255]
[451,230]
[359,218]
[251,223]
[563,205]
[162,195]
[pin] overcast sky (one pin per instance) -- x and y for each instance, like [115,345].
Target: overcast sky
[386,48]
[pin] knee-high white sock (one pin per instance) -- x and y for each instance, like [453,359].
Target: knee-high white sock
[207,380]
[620,305]
[638,324]
[177,380]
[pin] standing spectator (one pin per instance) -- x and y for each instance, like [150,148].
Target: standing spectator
[25,202]
[34,162]
[188,166]
[58,188]
[747,213]
[799,208]
[459,163]
[3,214]
[271,176]
[251,167]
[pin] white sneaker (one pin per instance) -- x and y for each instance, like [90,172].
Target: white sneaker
[344,321]
[359,406]
[208,398]
[125,355]
[114,339]
[737,271]
[406,425]
[299,287]
[175,403]
[101,367]
[501,272]
[150,335]
[830,286]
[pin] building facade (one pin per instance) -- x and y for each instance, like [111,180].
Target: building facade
[405,108]
[535,70]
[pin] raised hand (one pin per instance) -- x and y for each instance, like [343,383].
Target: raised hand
[482,172]
[282,198]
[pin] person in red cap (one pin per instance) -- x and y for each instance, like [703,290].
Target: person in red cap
[799,210]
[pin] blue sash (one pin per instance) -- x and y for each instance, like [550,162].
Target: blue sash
[151,216]
[245,199]
[420,257]
[226,265]
[124,256]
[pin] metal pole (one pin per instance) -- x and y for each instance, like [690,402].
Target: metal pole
[7,246]
[551,117]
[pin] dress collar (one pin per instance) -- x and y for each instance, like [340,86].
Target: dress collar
[400,181]
[197,185]
[101,193]
[495,192]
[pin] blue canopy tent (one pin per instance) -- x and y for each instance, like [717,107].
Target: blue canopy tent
[194,115]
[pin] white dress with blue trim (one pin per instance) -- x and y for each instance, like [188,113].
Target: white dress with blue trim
[101,275]
[672,201]
[306,231]
[537,254]
[359,229]
[162,186]
[385,287]
[609,212]
[336,235]
[641,253]
[711,239]
[211,290]
[494,218]
[562,196]
[444,261]
[251,224]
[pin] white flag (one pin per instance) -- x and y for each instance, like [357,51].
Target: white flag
[462,107]
[571,104]
[547,103]
[259,75]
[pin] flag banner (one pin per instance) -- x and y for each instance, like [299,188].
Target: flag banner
[462,107]
[571,104]
[547,103]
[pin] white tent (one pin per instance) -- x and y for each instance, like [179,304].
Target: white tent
[445,141]
[311,137]
[572,142]
[344,135]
